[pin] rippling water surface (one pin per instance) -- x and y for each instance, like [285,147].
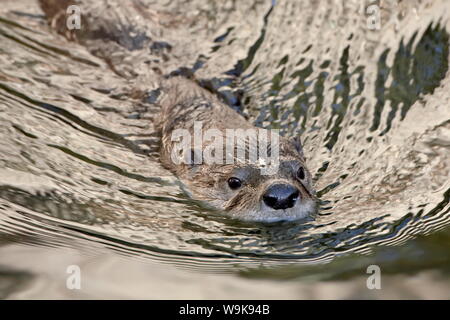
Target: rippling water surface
[80,181]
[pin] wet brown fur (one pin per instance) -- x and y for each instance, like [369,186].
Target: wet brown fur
[186,102]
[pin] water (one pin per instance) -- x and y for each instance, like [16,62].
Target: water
[80,181]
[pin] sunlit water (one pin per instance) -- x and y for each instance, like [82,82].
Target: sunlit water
[80,181]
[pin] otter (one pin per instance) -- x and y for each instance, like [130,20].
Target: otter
[238,189]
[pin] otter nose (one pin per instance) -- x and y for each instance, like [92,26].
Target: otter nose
[281,196]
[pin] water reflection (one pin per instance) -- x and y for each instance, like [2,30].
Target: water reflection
[79,153]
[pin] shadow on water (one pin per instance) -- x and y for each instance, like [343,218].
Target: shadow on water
[417,71]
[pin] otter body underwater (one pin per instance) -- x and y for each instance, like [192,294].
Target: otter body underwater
[240,188]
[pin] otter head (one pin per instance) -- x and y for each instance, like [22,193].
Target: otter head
[244,192]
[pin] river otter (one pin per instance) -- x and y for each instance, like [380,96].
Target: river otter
[240,189]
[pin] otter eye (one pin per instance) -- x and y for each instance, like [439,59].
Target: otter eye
[301,173]
[234,183]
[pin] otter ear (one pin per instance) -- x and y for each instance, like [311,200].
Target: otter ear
[297,144]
